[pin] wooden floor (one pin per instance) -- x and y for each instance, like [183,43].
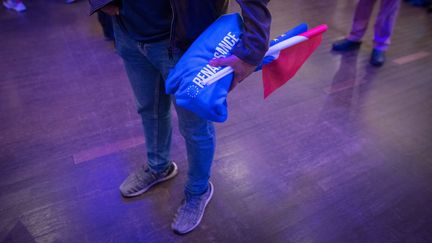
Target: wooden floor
[342,153]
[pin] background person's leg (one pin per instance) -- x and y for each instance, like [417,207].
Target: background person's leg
[383,29]
[359,26]
[384,23]
[361,19]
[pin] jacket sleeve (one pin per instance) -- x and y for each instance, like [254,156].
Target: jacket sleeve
[96,5]
[254,42]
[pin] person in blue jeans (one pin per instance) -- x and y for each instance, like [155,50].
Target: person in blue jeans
[151,36]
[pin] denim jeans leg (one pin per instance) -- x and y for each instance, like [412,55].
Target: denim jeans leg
[200,140]
[152,103]
[198,133]
[148,65]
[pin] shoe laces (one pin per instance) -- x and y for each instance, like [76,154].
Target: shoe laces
[191,204]
[143,176]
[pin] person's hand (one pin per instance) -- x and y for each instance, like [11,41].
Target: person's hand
[241,68]
[111,9]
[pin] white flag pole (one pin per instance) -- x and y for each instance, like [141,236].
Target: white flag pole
[272,51]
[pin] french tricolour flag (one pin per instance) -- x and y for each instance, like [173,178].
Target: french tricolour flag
[285,57]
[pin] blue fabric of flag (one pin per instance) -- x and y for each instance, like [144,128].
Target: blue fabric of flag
[207,101]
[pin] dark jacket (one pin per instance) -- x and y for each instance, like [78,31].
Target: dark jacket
[192,17]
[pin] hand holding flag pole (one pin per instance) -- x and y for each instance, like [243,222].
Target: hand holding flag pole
[240,68]
[283,59]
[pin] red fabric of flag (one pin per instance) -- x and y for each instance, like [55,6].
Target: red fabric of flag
[278,72]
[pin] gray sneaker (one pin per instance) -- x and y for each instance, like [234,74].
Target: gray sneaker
[191,211]
[142,179]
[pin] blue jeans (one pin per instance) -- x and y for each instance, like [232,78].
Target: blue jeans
[147,66]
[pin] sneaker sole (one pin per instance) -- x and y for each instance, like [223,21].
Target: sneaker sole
[170,176]
[199,220]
